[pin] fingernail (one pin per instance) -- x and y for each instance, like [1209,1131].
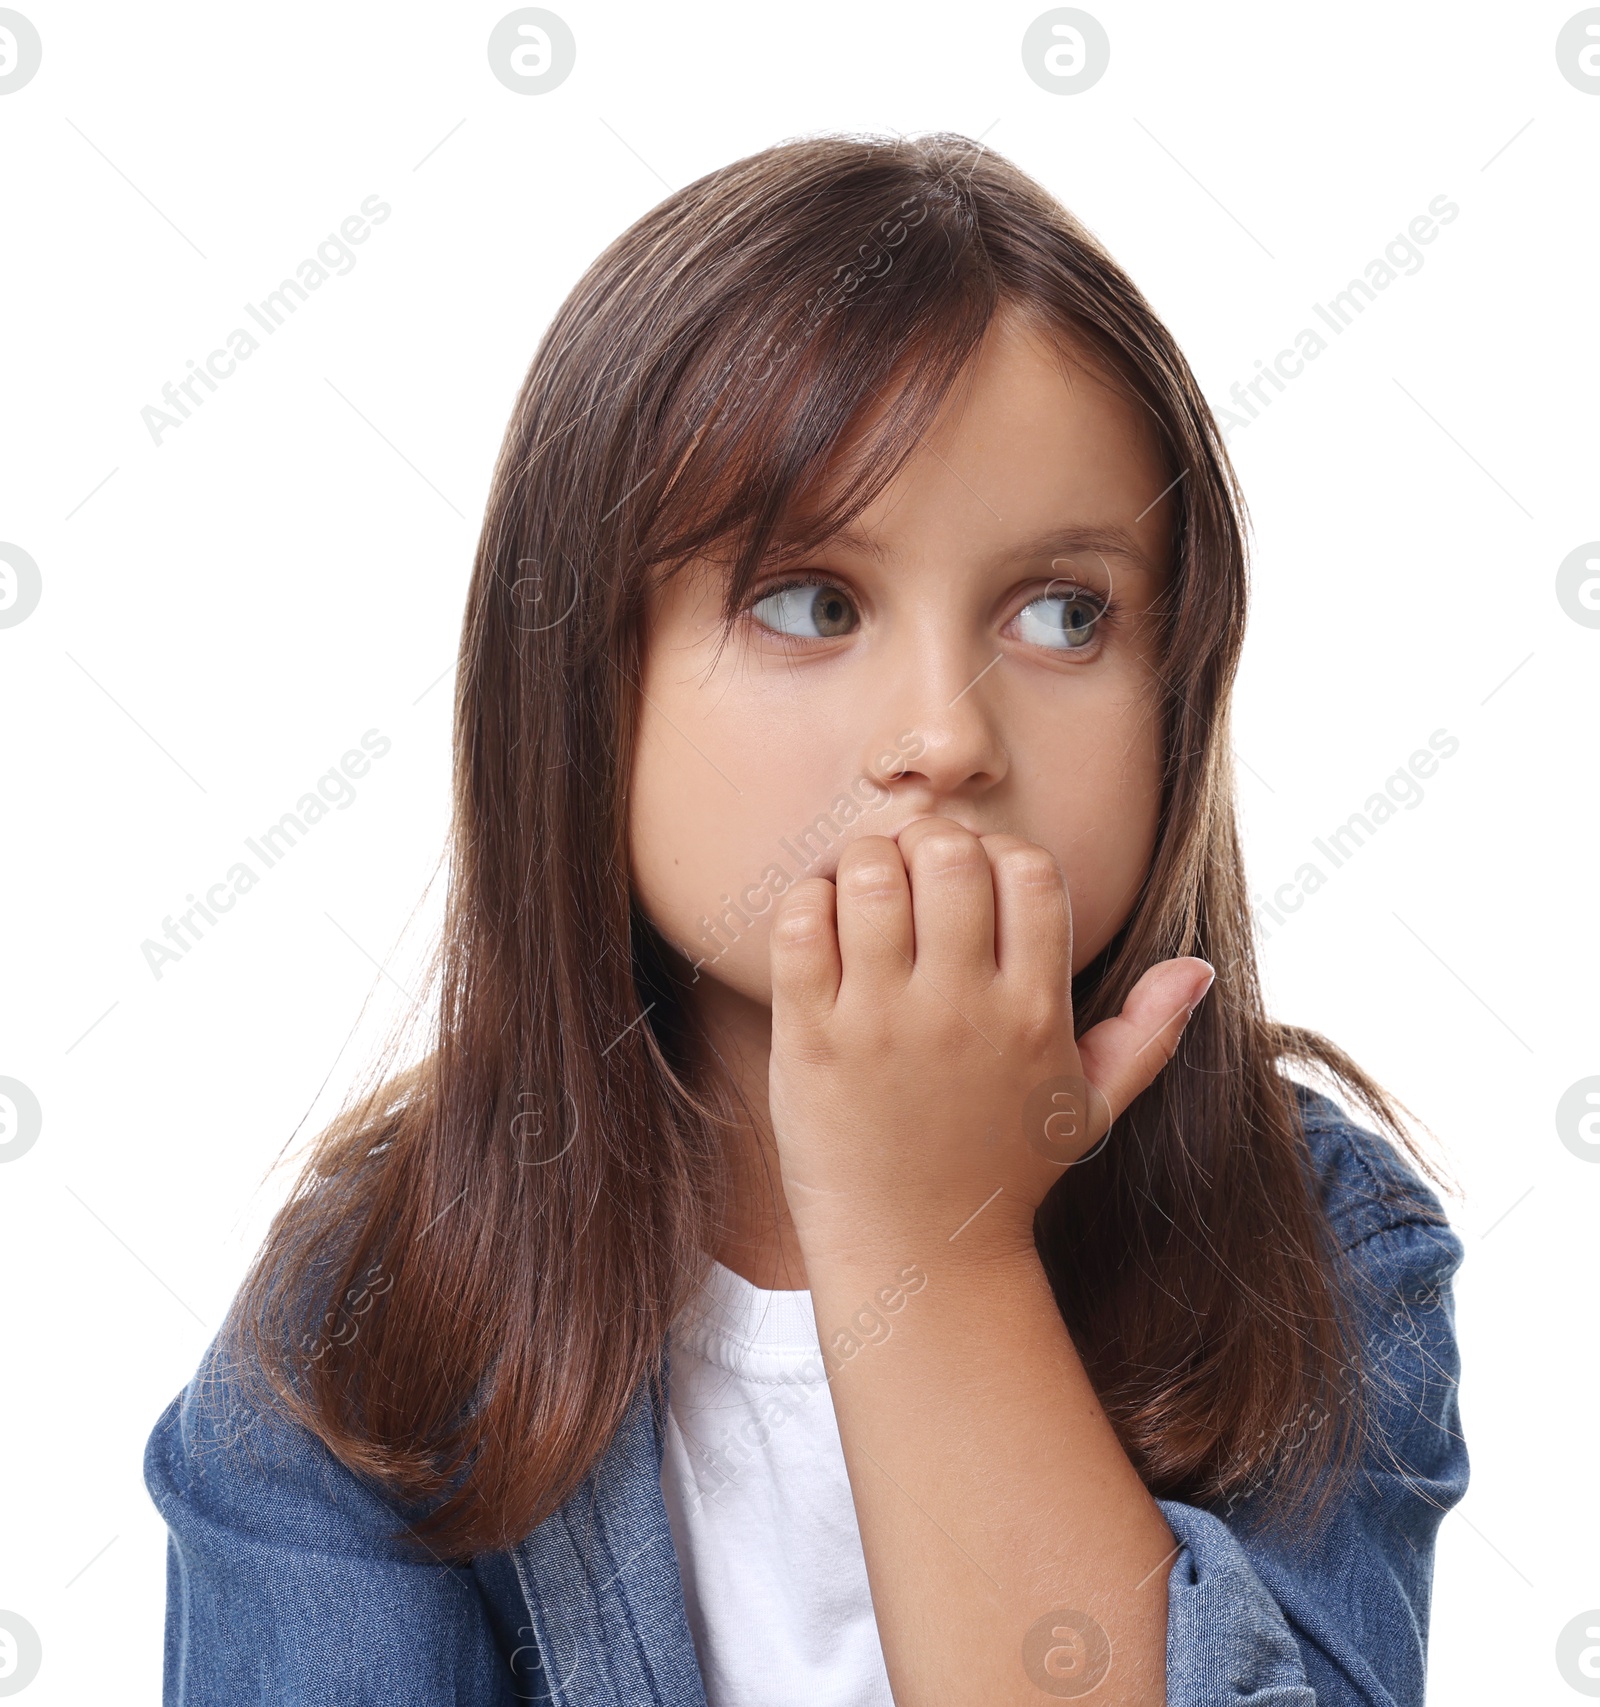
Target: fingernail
[1210,979]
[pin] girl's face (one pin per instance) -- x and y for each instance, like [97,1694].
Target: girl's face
[948,658]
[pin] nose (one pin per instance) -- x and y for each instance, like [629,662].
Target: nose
[938,718]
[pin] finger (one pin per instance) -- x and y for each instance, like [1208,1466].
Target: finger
[804,948]
[1122,1056]
[1033,918]
[952,901]
[875,933]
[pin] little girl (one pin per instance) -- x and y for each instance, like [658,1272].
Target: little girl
[834,1249]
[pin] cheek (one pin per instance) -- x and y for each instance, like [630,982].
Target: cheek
[720,825]
[1099,815]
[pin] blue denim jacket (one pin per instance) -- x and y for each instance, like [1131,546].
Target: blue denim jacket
[283,1588]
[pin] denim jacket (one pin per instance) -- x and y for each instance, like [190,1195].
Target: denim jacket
[284,1589]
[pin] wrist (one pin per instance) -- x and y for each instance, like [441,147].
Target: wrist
[863,1249]
[867,1295]
[864,1211]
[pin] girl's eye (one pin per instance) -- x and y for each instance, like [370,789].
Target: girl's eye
[806,610]
[1065,621]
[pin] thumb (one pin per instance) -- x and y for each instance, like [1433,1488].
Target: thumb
[1122,1056]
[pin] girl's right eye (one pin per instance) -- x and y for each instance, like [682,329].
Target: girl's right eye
[806,610]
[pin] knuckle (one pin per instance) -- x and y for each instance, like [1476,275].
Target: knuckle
[1038,1023]
[796,928]
[870,866]
[1161,1048]
[871,875]
[949,850]
[1029,867]
[802,915]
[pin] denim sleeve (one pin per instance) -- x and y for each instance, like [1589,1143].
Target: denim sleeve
[284,1585]
[1338,1616]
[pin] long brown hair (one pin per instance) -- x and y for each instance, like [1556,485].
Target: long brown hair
[487,1246]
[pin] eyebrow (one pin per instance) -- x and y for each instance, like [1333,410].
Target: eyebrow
[1107,538]
[1061,540]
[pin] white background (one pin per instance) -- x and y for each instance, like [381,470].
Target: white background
[225,614]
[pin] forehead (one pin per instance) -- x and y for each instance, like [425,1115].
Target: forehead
[1037,450]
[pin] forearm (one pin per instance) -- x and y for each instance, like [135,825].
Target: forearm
[990,1489]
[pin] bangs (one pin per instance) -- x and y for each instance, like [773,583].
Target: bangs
[794,410]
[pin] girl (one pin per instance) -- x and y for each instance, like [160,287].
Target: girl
[829,1250]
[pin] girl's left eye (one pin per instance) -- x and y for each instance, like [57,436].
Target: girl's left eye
[1066,621]
[818,609]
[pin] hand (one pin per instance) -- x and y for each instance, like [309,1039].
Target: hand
[924,1075]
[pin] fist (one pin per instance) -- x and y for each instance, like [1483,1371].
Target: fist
[925,1081]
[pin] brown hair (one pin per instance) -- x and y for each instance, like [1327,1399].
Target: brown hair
[508,1225]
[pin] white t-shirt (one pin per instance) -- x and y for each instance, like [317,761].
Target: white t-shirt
[756,1491]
